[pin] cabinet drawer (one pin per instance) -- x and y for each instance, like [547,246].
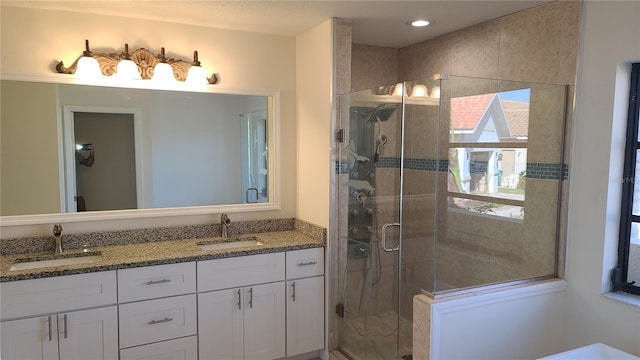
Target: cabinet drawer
[240,271]
[156,281]
[57,294]
[305,263]
[157,320]
[178,349]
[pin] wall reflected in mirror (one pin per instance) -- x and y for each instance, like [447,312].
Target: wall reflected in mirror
[70,148]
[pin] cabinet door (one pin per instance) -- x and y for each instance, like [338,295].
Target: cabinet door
[30,339]
[89,334]
[220,328]
[305,315]
[264,321]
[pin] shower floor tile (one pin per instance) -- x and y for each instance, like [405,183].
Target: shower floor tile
[374,337]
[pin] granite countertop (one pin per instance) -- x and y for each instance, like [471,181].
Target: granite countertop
[158,253]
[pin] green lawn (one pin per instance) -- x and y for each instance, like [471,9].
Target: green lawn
[511,191]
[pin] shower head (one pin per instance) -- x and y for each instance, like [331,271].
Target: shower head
[382,112]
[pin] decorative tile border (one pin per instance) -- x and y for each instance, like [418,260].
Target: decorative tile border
[547,171]
[535,170]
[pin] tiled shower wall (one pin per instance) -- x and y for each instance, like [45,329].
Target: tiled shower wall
[537,45]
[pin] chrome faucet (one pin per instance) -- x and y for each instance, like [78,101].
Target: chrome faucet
[57,234]
[224,225]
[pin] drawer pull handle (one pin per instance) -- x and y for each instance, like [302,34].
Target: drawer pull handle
[312,262]
[293,292]
[155,282]
[250,298]
[239,301]
[65,326]
[153,322]
[50,335]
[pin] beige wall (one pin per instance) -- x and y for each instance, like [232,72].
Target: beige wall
[610,41]
[535,45]
[25,188]
[314,74]
[373,66]
[243,60]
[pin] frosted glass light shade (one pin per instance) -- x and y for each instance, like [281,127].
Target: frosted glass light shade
[163,73]
[197,76]
[435,92]
[88,68]
[127,70]
[399,89]
[419,91]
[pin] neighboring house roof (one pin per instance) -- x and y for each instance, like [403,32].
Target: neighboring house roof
[467,111]
[517,116]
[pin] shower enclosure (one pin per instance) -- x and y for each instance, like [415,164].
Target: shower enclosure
[443,184]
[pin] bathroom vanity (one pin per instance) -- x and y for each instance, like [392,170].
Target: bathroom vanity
[171,300]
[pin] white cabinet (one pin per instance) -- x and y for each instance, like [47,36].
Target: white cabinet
[245,317]
[240,271]
[57,294]
[264,322]
[156,281]
[156,320]
[243,323]
[177,349]
[305,315]
[305,301]
[50,328]
[32,338]
[260,307]
[86,334]
[220,324]
[157,312]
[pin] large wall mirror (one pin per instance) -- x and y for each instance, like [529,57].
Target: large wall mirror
[71,152]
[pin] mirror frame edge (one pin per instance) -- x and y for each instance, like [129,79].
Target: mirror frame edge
[274,161]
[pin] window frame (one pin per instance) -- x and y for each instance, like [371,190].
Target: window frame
[627,218]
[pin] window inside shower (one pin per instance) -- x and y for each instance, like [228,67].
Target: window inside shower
[488,153]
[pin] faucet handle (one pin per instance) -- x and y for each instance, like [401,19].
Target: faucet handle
[225,219]
[57,230]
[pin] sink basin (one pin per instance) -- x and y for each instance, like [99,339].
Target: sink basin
[55,260]
[230,243]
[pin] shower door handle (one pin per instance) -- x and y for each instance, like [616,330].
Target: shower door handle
[384,237]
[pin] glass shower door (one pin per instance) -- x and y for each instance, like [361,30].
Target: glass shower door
[376,284]
[369,182]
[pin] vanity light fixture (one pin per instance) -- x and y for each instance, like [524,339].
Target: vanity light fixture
[140,64]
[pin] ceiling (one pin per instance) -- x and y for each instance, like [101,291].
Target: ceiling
[379,23]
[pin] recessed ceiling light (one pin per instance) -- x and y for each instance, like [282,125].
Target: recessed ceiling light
[418,23]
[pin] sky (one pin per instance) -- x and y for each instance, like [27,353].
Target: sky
[516,95]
